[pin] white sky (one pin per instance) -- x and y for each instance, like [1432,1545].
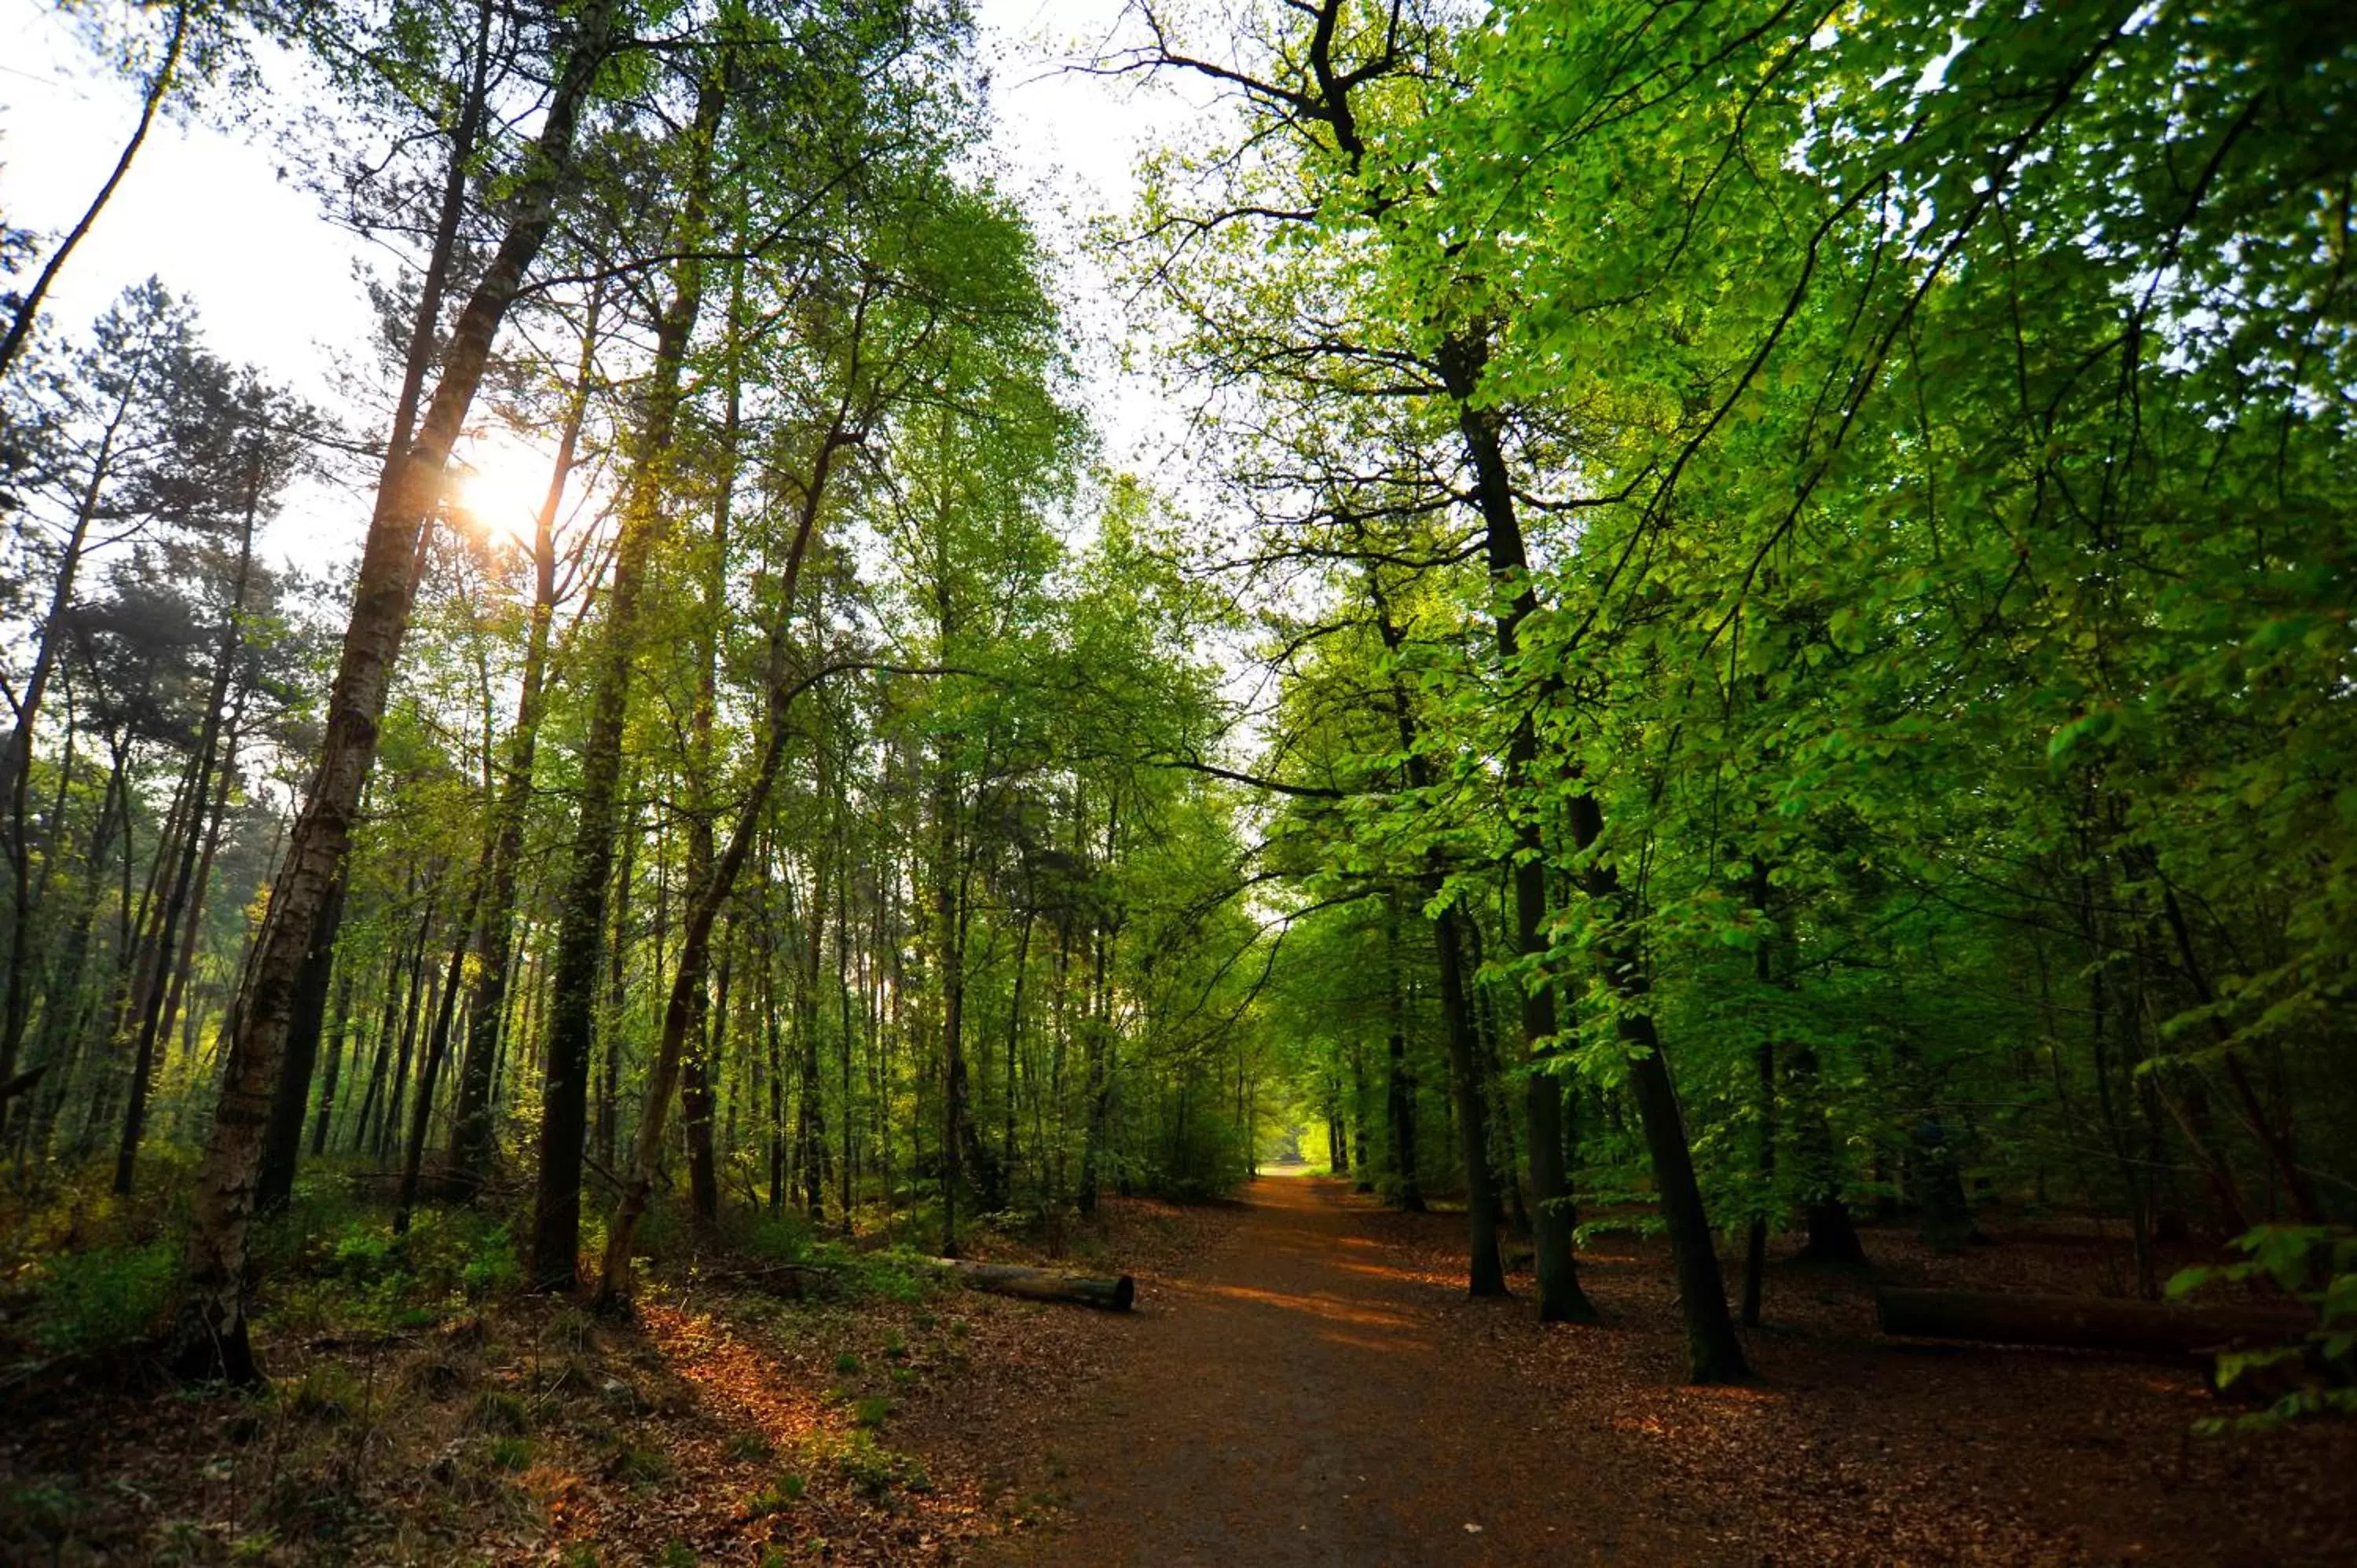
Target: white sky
[204,210]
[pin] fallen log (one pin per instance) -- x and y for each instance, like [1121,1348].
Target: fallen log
[2086,1322]
[1042,1285]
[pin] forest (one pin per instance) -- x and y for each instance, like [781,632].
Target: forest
[1721,699]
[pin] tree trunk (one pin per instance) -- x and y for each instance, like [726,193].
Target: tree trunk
[949,928]
[1097,1042]
[1006,1152]
[1763,973]
[473,1136]
[321,1127]
[680,1010]
[1042,1285]
[192,926]
[17,752]
[1486,1270]
[1359,1117]
[1400,1084]
[681,1007]
[153,1019]
[1463,358]
[211,1335]
[696,1089]
[1714,1353]
[424,986]
[810,1141]
[437,1047]
[58,1046]
[581,929]
[283,1140]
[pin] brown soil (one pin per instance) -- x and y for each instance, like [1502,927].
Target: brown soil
[1318,1391]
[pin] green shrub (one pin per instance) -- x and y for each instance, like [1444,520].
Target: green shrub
[493,1269]
[103,1297]
[2317,1265]
[895,1275]
[776,1498]
[364,1253]
[876,1470]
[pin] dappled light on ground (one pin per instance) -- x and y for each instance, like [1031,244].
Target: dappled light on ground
[1324,1306]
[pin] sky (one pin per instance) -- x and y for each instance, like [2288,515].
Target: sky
[204,209]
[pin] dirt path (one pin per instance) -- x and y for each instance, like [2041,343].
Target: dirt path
[1301,1401]
[1317,1390]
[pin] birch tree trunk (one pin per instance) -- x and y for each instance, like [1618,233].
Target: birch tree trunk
[211,1335]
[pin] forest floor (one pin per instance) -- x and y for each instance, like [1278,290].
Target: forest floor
[1303,1382]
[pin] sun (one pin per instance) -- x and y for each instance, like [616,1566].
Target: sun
[503,481]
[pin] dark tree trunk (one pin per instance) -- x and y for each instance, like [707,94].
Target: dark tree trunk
[811,1118]
[283,1140]
[1714,1352]
[1097,1042]
[2086,1323]
[1764,971]
[399,964]
[1114,1294]
[1359,1117]
[1006,1151]
[777,1128]
[1463,359]
[581,926]
[58,1045]
[423,987]
[1486,1270]
[695,1096]
[1400,1083]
